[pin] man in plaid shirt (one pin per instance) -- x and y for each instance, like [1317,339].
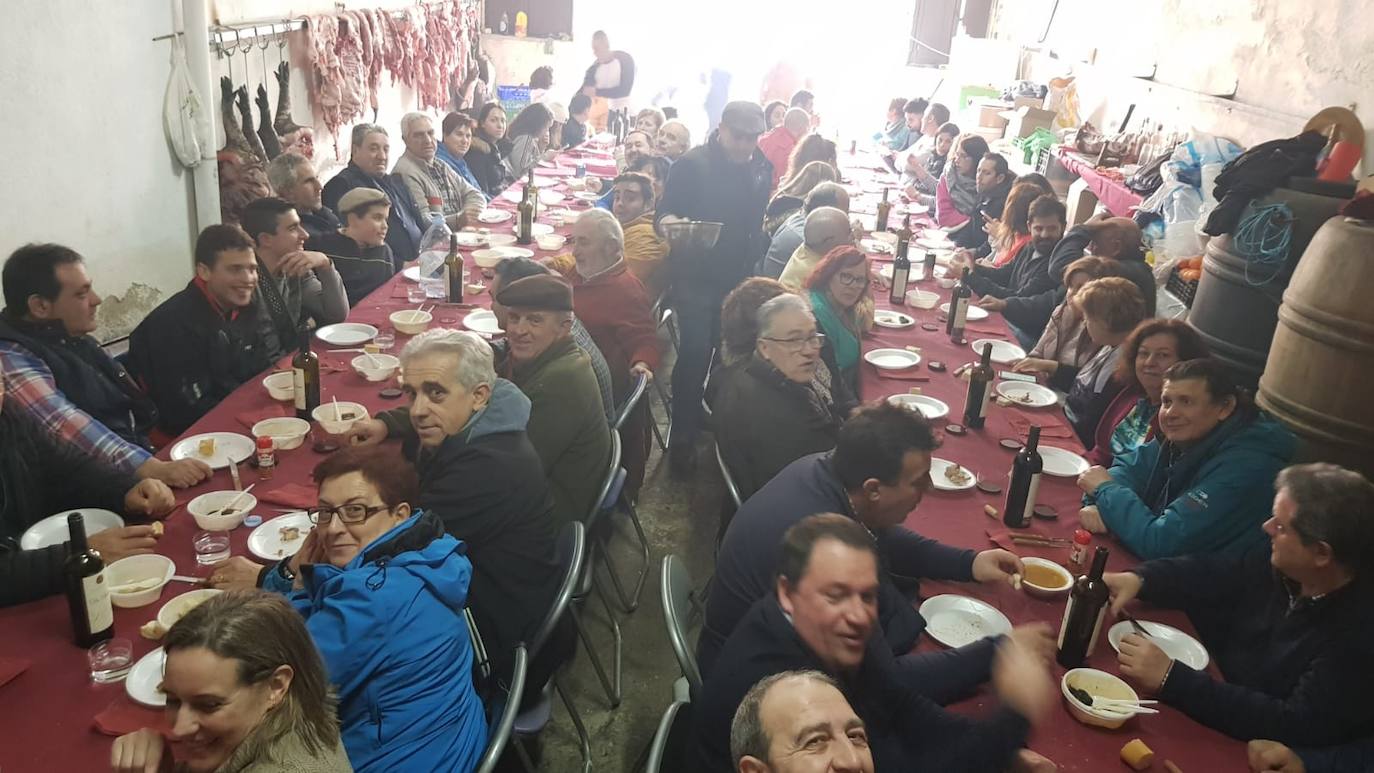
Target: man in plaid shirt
[427,177]
[58,374]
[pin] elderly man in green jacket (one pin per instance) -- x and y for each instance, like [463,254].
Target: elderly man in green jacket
[567,425]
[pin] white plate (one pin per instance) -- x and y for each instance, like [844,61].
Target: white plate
[928,406]
[412,273]
[472,239]
[266,542]
[892,359]
[53,529]
[548,198]
[874,245]
[958,620]
[515,194]
[230,448]
[544,182]
[482,321]
[1175,643]
[494,216]
[1003,353]
[537,229]
[975,313]
[178,606]
[347,333]
[937,476]
[1026,395]
[144,678]
[501,253]
[934,243]
[893,319]
[501,240]
[587,196]
[1062,463]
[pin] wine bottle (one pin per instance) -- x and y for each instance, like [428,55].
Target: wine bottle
[1083,614]
[929,266]
[979,391]
[958,308]
[305,371]
[1025,483]
[901,265]
[88,595]
[524,231]
[453,271]
[533,191]
[884,209]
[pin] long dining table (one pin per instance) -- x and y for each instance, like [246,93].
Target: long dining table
[57,719]
[960,518]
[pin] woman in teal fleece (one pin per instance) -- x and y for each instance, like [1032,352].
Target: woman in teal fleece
[1206,485]
[382,591]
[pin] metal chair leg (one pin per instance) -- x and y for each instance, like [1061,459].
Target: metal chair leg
[525,761]
[612,692]
[583,740]
[629,602]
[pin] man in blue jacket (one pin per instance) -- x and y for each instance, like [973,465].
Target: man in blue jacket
[1291,628]
[367,169]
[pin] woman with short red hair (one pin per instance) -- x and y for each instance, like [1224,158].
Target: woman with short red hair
[838,289]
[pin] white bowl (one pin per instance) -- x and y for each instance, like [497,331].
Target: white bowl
[410,321]
[946,282]
[501,240]
[884,236]
[550,241]
[922,299]
[324,413]
[205,509]
[287,432]
[1046,591]
[1098,684]
[145,567]
[376,367]
[281,386]
[177,608]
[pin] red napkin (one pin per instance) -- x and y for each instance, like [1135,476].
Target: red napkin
[1021,423]
[274,411]
[1002,539]
[986,331]
[901,376]
[12,667]
[289,495]
[123,716]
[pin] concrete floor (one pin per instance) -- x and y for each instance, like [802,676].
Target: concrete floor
[680,517]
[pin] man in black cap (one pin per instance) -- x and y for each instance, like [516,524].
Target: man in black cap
[725,181]
[567,426]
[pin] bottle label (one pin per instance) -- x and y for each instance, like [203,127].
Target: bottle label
[96,591]
[983,414]
[298,384]
[1097,627]
[960,313]
[899,283]
[1030,495]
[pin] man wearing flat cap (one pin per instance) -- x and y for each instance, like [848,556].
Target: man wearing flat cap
[567,424]
[725,181]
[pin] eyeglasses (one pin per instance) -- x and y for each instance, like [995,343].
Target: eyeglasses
[349,514]
[849,280]
[796,344]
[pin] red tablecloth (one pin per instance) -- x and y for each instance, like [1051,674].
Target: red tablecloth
[51,708]
[958,518]
[1114,195]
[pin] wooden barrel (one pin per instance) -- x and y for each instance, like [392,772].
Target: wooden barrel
[1234,313]
[1319,377]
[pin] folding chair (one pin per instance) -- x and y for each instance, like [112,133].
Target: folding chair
[675,587]
[670,751]
[500,725]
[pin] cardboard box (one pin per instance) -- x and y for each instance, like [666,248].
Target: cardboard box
[1024,120]
[989,133]
[1080,203]
[1020,102]
[991,115]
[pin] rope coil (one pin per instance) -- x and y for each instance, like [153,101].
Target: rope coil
[1264,237]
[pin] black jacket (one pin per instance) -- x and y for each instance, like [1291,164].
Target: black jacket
[1026,274]
[87,376]
[1297,670]
[189,357]
[748,556]
[906,732]
[488,487]
[574,133]
[40,476]
[406,224]
[765,421]
[321,222]
[362,269]
[487,161]
[705,185]
[971,235]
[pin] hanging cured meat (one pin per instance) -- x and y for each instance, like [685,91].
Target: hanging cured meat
[294,137]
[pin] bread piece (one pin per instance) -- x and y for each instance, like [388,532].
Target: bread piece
[152,630]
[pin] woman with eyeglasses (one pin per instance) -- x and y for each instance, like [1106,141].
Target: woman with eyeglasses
[382,589]
[839,292]
[777,405]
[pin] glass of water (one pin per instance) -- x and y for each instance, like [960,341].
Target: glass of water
[385,338]
[415,293]
[434,289]
[110,660]
[211,546]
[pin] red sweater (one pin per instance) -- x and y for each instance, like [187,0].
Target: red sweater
[777,147]
[615,309]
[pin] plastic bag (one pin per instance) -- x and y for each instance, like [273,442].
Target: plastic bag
[183,113]
[434,248]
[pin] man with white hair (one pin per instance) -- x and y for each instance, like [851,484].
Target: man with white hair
[673,139]
[293,177]
[798,721]
[615,309]
[427,178]
[367,169]
[826,228]
[777,145]
[465,431]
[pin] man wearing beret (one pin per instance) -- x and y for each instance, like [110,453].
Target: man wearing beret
[567,425]
[359,250]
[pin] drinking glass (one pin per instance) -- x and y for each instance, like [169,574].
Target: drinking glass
[110,660]
[433,289]
[385,338]
[211,546]
[415,293]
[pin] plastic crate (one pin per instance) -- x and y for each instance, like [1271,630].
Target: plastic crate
[1182,289]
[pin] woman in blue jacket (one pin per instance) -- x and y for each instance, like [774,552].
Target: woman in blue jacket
[382,591]
[1206,485]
